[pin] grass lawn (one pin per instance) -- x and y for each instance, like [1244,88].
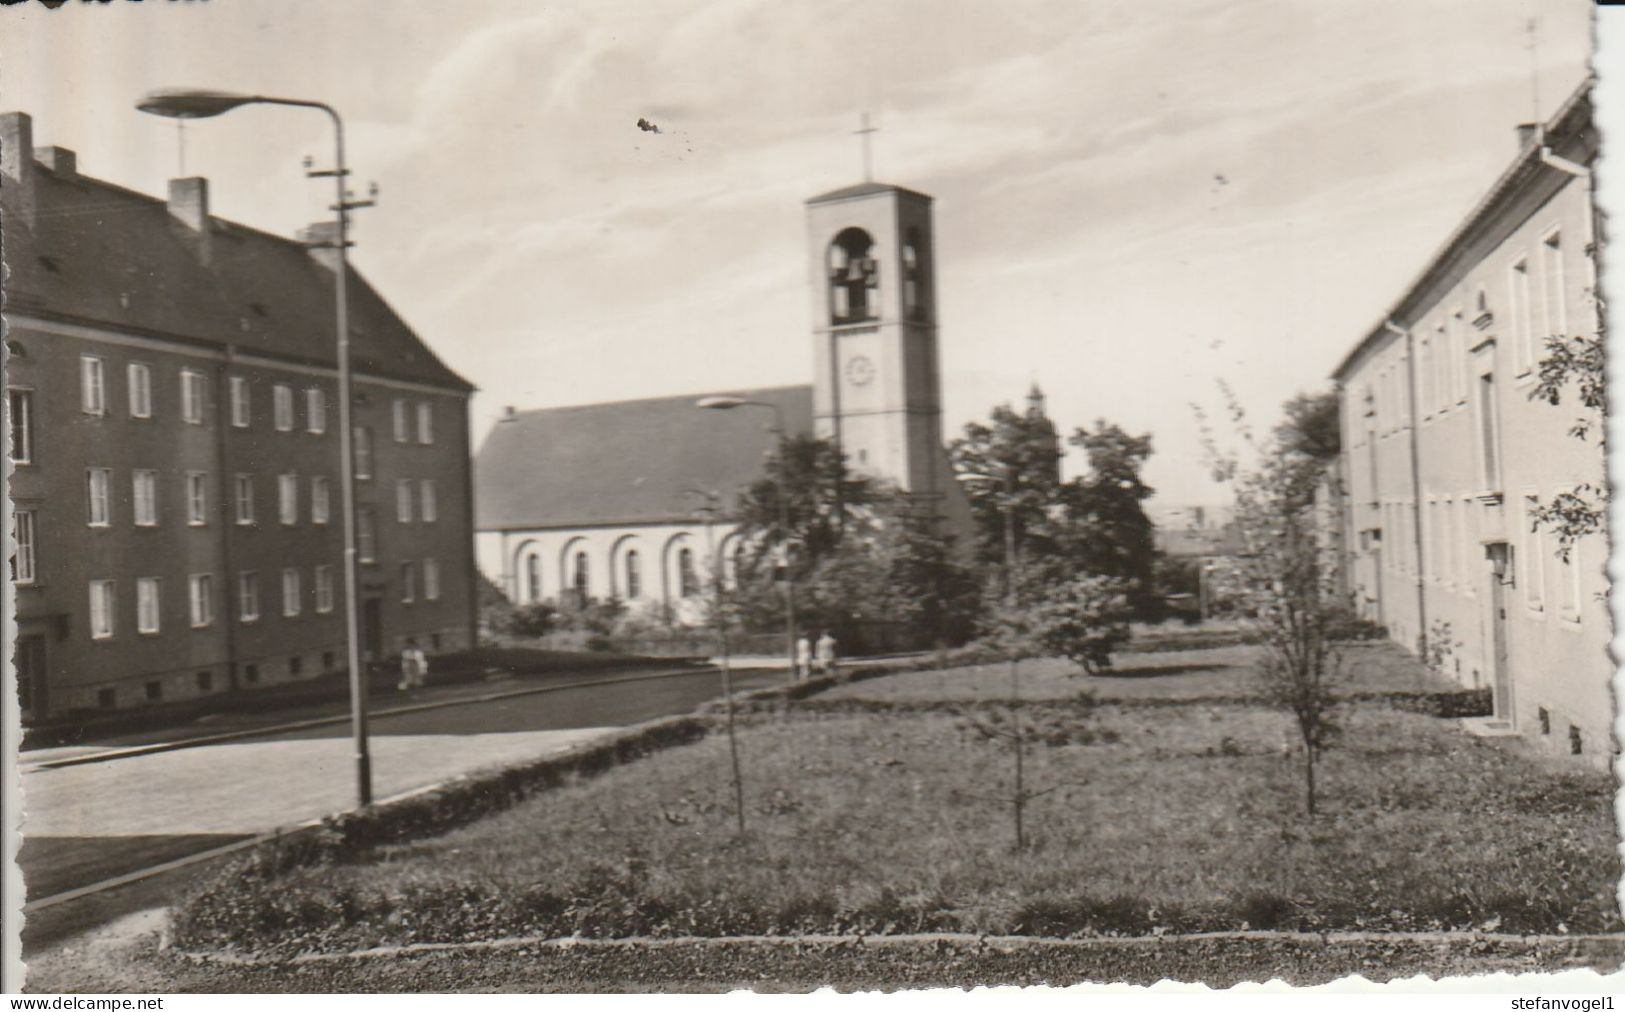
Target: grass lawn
[1176,819]
[1184,674]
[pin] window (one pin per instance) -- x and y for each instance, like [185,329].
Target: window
[20,417]
[155,691]
[425,422]
[239,402]
[688,581]
[291,603]
[324,589]
[320,502]
[191,396]
[1489,430]
[403,423]
[315,410]
[403,500]
[366,534]
[97,482]
[409,582]
[144,485]
[92,385]
[200,593]
[282,407]
[248,596]
[205,681]
[533,578]
[244,489]
[431,579]
[363,452]
[251,674]
[581,579]
[296,665]
[854,278]
[1523,317]
[913,305]
[197,498]
[1534,553]
[1569,588]
[1554,314]
[634,575]
[287,495]
[101,609]
[107,699]
[428,506]
[140,375]
[146,604]
[22,535]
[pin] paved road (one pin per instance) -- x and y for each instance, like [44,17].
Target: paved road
[84,824]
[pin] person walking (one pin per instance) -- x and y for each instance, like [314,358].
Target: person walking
[804,659]
[824,656]
[414,667]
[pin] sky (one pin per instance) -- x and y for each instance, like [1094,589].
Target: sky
[1133,200]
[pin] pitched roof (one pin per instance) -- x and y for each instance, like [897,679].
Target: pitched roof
[626,462]
[90,252]
[863,190]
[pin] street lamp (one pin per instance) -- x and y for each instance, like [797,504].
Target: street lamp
[192,103]
[726,403]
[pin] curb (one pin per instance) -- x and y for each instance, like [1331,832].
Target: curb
[979,942]
[302,725]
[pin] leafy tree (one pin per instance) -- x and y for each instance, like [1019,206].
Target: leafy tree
[1105,528]
[820,496]
[1575,362]
[1016,464]
[1312,427]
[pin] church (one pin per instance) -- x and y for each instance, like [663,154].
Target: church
[633,499]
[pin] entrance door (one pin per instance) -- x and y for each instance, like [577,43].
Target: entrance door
[372,628]
[1502,674]
[31,681]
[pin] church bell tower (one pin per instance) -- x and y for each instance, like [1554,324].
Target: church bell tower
[878,383]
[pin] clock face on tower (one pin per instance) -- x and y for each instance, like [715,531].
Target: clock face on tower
[859,370]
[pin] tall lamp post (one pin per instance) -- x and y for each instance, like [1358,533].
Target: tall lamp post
[190,103]
[725,403]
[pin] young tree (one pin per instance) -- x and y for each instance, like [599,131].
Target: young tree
[807,485]
[1577,363]
[1284,583]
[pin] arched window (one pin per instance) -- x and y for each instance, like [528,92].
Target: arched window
[634,575]
[533,577]
[580,578]
[854,278]
[913,276]
[688,582]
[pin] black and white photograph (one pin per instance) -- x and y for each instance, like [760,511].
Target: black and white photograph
[687,496]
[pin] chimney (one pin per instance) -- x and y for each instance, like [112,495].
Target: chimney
[189,205]
[1528,133]
[17,161]
[321,238]
[61,162]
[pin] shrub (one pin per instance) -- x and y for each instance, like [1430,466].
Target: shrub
[1084,620]
[537,619]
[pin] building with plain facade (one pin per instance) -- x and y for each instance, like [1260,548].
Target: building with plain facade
[171,397]
[1445,454]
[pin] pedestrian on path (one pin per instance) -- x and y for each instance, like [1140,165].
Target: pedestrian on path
[414,667]
[803,659]
[824,657]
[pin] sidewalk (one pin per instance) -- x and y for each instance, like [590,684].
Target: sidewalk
[241,722]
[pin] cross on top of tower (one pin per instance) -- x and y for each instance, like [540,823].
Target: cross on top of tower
[863,131]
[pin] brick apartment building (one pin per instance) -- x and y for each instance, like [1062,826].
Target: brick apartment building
[1445,454]
[171,394]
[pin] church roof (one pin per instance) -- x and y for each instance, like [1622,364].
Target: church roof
[625,462]
[864,190]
